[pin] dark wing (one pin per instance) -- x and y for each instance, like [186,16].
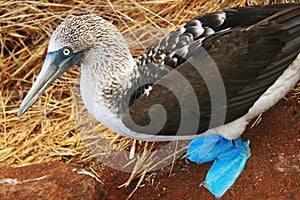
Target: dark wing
[258,56]
[176,48]
[248,59]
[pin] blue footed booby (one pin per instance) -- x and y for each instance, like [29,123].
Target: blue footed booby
[208,78]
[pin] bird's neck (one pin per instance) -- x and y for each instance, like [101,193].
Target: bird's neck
[109,75]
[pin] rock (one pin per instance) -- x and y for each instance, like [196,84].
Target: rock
[53,180]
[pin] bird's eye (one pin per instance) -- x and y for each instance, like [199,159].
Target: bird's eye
[66,51]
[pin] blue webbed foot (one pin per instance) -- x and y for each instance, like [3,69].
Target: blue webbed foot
[230,158]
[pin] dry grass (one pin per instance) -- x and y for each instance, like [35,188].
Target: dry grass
[53,128]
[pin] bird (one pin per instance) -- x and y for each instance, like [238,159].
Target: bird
[205,81]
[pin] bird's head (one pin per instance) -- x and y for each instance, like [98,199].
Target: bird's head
[68,45]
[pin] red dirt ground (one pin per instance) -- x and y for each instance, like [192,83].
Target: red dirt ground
[272,172]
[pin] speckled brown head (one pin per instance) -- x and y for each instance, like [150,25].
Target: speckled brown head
[81,33]
[68,45]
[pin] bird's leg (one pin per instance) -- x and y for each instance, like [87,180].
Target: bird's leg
[229,158]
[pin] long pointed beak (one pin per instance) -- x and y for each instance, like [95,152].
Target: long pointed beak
[52,68]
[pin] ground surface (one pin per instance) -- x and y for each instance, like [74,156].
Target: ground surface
[272,172]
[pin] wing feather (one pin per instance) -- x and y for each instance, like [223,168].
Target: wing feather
[250,53]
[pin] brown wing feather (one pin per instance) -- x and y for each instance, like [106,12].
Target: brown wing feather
[249,61]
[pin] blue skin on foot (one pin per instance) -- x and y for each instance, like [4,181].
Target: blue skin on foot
[229,159]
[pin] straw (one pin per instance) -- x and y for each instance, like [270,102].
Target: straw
[56,127]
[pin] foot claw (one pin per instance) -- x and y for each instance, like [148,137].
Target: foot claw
[230,160]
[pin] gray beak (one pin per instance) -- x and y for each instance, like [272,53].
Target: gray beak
[55,64]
